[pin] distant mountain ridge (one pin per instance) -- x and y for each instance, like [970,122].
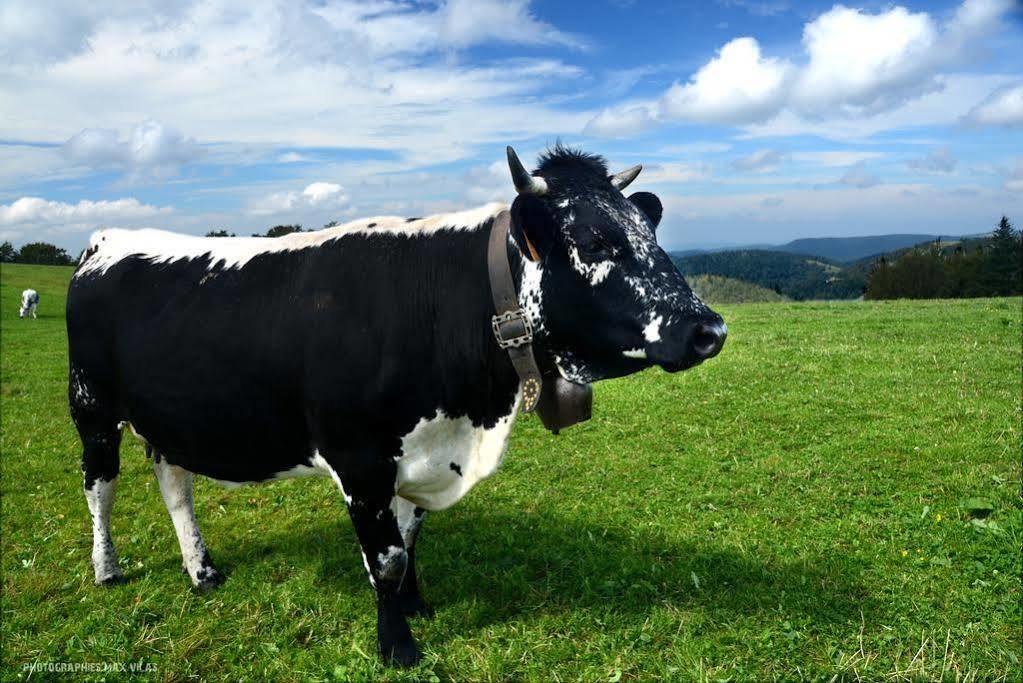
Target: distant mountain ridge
[838,249]
[848,249]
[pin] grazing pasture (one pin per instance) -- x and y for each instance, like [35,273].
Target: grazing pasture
[837,493]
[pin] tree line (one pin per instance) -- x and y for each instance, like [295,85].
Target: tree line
[38,253]
[990,267]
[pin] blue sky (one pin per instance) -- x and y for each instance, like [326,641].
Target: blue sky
[756,120]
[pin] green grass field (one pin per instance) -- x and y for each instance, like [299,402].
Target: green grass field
[799,507]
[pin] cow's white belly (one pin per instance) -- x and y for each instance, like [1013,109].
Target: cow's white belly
[442,458]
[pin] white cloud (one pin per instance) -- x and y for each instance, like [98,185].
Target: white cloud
[621,121]
[834,158]
[938,160]
[292,158]
[856,65]
[43,32]
[319,196]
[1003,107]
[382,75]
[865,63]
[674,173]
[697,148]
[471,22]
[1014,176]
[737,86]
[940,108]
[759,161]
[149,148]
[488,183]
[41,217]
[857,176]
[760,8]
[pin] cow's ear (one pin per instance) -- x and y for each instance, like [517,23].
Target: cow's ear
[649,204]
[532,226]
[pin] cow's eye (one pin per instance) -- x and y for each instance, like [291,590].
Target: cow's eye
[594,248]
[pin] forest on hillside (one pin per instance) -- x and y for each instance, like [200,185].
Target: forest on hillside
[973,268]
[795,276]
[991,265]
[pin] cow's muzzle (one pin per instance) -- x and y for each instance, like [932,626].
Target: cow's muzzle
[688,344]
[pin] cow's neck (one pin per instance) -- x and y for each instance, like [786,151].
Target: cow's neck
[479,379]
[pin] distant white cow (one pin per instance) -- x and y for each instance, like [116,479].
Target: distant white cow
[29,303]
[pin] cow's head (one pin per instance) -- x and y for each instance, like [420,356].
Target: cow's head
[612,302]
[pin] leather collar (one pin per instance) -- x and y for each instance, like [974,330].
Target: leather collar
[558,402]
[511,326]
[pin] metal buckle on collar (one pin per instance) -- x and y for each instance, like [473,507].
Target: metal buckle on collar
[512,329]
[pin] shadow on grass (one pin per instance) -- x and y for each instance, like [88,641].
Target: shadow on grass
[497,566]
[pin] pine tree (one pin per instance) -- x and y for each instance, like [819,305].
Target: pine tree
[1004,268]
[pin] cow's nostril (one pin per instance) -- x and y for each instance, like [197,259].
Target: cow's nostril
[708,340]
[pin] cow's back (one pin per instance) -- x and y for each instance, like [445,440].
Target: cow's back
[236,363]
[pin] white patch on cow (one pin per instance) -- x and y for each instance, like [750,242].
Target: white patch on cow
[176,489]
[320,463]
[79,390]
[531,293]
[573,370]
[594,273]
[634,353]
[369,572]
[108,247]
[442,458]
[100,499]
[652,332]
[388,557]
[405,514]
[635,226]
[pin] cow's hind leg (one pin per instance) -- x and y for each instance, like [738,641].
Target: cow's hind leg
[176,489]
[101,463]
[410,519]
[366,476]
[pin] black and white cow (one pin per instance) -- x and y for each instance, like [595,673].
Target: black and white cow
[363,352]
[29,303]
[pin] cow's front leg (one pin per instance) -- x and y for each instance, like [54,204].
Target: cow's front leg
[410,519]
[367,480]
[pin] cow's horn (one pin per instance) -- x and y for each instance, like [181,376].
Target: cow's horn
[524,182]
[622,180]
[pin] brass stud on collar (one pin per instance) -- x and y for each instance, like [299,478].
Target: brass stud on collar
[530,392]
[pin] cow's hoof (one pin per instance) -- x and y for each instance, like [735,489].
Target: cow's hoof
[417,607]
[208,579]
[112,580]
[401,654]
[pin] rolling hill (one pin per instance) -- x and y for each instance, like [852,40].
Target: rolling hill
[715,289]
[796,276]
[849,249]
